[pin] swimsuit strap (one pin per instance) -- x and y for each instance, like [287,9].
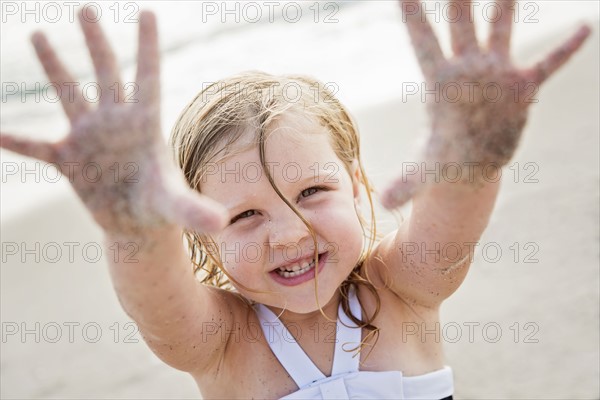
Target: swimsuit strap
[289,353]
[348,338]
[295,361]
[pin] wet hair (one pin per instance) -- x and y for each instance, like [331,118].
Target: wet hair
[209,129]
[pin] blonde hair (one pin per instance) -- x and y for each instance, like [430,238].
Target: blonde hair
[252,102]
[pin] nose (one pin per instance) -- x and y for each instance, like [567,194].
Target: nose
[286,228]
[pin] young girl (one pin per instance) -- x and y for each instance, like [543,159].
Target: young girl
[296,299]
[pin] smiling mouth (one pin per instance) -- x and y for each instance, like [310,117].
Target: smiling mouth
[299,271]
[290,271]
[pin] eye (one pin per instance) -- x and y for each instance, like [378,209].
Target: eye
[245,214]
[310,191]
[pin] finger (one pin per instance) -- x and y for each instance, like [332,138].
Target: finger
[44,151]
[194,211]
[462,31]
[423,39]
[499,42]
[401,190]
[558,57]
[103,58]
[71,99]
[148,67]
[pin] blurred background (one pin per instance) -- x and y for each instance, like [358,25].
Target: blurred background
[523,325]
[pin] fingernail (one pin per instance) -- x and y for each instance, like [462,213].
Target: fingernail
[146,16]
[585,30]
[214,224]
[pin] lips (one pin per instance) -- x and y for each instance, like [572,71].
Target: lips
[298,271]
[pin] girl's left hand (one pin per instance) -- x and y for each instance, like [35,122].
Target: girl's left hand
[477,99]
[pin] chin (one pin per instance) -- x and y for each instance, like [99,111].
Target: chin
[307,304]
[302,299]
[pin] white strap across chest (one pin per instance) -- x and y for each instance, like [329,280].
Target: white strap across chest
[295,361]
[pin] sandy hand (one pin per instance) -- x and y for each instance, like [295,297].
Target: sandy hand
[120,141]
[480,109]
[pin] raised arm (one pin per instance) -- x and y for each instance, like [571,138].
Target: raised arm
[141,200]
[477,119]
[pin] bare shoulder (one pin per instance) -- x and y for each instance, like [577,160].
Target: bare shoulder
[241,354]
[413,270]
[197,345]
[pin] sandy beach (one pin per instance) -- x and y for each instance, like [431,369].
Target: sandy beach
[524,324]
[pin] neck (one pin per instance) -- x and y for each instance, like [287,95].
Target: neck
[330,310]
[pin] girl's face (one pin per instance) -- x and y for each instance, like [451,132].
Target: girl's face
[266,247]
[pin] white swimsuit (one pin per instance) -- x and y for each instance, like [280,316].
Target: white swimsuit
[346,381]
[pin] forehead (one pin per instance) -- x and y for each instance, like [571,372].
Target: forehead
[292,139]
[296,148]
[286,130]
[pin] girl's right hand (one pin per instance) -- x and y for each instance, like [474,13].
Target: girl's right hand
[115,156]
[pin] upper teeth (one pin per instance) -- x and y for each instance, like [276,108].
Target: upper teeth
[296,269]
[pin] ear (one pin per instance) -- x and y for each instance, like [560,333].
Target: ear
[356,176]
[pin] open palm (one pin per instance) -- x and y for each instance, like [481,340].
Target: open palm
[477,99]
[115,156]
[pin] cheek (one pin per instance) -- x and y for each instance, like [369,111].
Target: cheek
[241,255]
[241,273]
[353,240]
[341,228]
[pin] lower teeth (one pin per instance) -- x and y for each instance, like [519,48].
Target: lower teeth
[287,274]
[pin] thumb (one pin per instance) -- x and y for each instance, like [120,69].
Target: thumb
[44,151]
[401,190]
[192,210]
